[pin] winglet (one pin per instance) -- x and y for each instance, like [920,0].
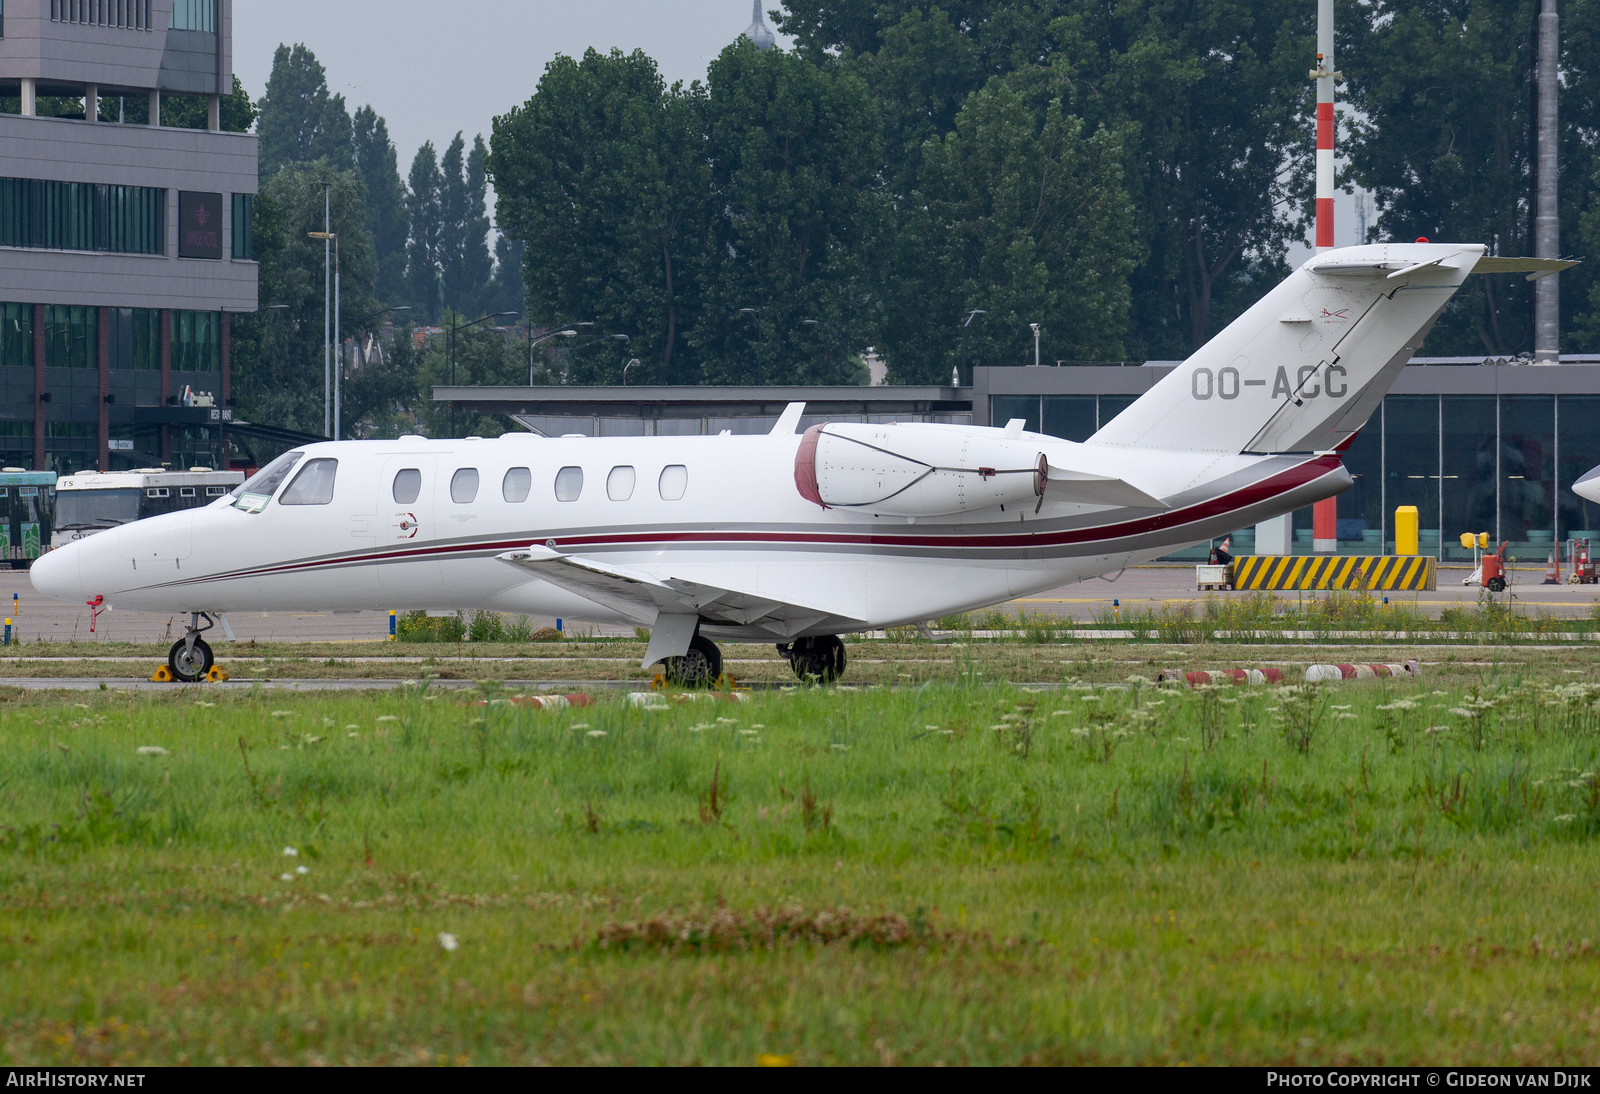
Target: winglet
[1014,427]
[789,420]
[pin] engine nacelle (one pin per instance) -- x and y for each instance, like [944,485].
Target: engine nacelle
[916,470]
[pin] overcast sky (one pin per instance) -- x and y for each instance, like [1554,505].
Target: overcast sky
[431,68]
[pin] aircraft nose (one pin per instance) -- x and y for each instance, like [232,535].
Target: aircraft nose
[57,574]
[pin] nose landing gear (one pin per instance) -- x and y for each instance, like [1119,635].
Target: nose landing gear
[815,660]
[190,657]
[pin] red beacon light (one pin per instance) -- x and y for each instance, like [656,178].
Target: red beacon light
[1422,239]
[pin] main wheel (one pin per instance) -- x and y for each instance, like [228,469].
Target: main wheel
[699,668]
[818,660]
[1497,584]
[190,666]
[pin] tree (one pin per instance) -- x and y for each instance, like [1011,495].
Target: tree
[280,373]
[505,292]
[1210,101]
[1444,141]
[387,218]
[464,264]
[1022,217]
[794,154]
[427,224]
[299,121]
[602,175]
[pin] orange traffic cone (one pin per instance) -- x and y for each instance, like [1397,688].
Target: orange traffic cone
[1552,568]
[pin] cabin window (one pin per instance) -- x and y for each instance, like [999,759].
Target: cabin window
[407,485]
[515,486]
[619,484]
[254,494]
[464,485]
[157,492]
[313,486]
[186,492]
[569,483]
[215,491]
[674,481]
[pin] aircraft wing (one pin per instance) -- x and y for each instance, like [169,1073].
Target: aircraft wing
[644,598]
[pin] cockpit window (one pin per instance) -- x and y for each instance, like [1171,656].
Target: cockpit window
[313,486]
[254,494]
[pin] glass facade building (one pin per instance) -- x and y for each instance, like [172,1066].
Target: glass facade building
[1475,447]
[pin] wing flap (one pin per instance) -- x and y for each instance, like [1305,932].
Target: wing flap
[641,597]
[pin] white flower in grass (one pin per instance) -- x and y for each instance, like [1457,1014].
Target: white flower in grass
[580,725]
[727,721]
[302,869]
[448,942]
[352,725]
[291,852]
[388,717]
[203,703]
[152,750]
[757,725]
[840,748]
[597,733]
[285,877]
[283,714]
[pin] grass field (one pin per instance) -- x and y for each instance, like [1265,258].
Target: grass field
[959,872]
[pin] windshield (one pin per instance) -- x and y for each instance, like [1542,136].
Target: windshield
[96,508]
[253,495]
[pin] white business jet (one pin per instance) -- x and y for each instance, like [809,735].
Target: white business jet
[1587,485]
[797,536]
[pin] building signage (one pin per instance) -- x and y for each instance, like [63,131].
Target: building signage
[199,225]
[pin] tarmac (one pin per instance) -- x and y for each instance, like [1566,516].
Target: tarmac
[37,618]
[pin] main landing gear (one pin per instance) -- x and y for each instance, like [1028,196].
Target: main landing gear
[817,660]
[699,668]
[190,658]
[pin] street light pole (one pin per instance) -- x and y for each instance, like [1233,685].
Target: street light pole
[532,341]
[327,345]
[761,348]
[450,351]
[326,238]
[971,315]
[1035,328]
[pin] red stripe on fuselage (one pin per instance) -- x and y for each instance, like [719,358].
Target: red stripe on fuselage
[1268,488]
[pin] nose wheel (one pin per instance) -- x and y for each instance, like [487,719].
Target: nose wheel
[817,660]
[190,657]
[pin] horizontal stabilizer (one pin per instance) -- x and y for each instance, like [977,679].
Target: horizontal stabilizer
[1069,485]
[1535,268]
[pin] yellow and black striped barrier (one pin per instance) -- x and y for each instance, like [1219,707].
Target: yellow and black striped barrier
[1405,572]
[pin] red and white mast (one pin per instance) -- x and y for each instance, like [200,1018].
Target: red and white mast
[1325,514]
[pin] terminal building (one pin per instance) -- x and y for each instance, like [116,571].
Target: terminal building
[124,242]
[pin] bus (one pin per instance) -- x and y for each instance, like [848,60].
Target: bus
[92,501]
[28,500]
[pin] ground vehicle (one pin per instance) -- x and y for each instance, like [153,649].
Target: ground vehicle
[27,504]
[92,501]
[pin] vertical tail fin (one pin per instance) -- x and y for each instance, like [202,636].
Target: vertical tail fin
[1303,369]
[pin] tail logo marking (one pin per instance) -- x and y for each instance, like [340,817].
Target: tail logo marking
[1224,383]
